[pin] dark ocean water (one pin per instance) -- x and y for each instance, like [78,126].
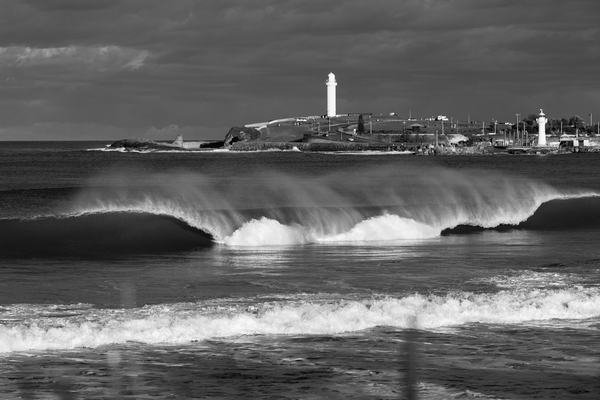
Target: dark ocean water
[287,275]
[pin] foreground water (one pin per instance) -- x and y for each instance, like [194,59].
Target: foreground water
[293,275]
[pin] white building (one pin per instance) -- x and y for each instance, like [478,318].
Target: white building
[331,84]
[542,120]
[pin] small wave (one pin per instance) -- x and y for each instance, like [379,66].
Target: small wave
[182,323]
[102,234]
[534,280]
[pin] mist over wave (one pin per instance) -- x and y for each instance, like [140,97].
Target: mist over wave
[271,208]
[33,327]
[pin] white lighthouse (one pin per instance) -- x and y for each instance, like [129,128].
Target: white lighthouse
[542,120]
[331,84]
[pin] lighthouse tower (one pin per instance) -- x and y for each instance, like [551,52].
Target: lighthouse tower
[331,84]
[542,120]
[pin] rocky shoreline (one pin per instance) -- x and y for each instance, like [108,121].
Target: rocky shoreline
[147,145]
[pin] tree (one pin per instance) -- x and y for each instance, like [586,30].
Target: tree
[360,129]
[531,122]
[575,121]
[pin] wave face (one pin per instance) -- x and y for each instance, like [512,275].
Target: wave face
[37,327]
[570,213]
[111,234]
[180,211]
[567,213]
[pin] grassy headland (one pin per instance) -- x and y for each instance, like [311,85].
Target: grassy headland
[342,133]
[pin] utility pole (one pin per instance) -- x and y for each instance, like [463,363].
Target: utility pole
[517,137]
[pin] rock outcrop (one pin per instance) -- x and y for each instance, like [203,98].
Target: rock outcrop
[242,134]
[178,141]
[142,145]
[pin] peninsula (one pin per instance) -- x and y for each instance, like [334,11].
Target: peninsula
[434,135]
[366,132]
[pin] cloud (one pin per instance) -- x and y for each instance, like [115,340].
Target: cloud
[95,131]
[227,62]
[166,132]
[71,5]
[101,58]
[66,131]
[188,132]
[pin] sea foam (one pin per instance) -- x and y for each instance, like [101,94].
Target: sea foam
[27,328]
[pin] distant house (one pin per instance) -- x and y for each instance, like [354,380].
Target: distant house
[416,127]
[574,142]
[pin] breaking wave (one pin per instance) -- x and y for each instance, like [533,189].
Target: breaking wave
[183,211]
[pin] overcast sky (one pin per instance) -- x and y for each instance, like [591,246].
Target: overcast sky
[112,69]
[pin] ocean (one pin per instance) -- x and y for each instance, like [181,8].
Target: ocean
[291,275]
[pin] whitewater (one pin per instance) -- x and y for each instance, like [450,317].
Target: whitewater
[29,327]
